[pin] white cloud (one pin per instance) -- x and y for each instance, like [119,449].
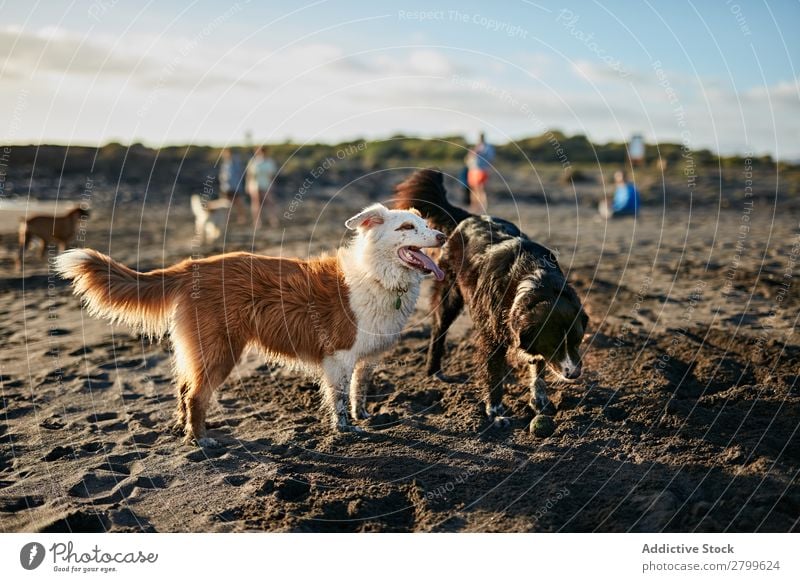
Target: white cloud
[178,90]
[784,91]
[52,50]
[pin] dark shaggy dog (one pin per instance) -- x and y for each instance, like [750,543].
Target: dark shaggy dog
[522,307]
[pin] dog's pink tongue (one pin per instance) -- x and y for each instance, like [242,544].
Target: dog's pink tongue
[429,264]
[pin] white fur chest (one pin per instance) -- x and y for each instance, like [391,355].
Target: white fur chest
[379,318]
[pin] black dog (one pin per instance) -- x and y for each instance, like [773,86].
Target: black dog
[519,300]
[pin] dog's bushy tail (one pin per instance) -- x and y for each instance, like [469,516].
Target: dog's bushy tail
[425,191]
[113,291]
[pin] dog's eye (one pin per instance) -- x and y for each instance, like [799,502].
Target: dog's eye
[405,226]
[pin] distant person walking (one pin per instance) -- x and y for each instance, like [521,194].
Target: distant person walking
[625,201]
[261,170]
[463,180]
[479,162]
[231,176]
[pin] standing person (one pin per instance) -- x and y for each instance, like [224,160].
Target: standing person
[230,182]
[636,150]
[625,201]
[261,170]
[479,161]
[463,180]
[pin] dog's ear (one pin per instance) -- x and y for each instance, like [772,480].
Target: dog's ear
[415,212]
[584,319]
[367,218]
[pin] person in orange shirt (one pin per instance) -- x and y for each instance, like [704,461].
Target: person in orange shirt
[479,162]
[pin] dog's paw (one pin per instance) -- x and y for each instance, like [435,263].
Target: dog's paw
[350,429]
[208,443]
[501,421]
[360,414]
[543,406]
[498,417]
[442,377]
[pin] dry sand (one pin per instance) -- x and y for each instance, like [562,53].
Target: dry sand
[685,419]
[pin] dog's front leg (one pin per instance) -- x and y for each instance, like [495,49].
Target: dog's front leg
[337,374]
[447,302]
[539,400]
[359,384]
[496,370]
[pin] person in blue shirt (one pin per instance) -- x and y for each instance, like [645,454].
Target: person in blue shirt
[231,181]
[625,201]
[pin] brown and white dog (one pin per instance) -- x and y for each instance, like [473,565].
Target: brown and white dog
[330,315]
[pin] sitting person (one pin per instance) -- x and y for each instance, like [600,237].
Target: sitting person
[625,201]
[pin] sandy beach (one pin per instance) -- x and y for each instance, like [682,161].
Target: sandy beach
[685,418]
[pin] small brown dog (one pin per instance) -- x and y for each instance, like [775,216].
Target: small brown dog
[52,230]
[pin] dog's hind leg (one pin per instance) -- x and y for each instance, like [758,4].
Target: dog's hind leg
[181,413]
[539,401]
[359,384]
[337,374]
[184,375]
[449,303]
[43,250]
[24,243]
[207,366]
[496,372]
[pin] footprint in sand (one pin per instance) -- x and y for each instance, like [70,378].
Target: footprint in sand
[52,423]
[121,477]
[95,483]
[144,438]
[97,382]
[120,364]
[207,454]
[83,521]
[101,416]
[58,453]
[96,446]
[107,427]
[57,332]
[9,382]
[126,519]
[20,503]
[153,481]
[234,480]
[143,418]
[17,412]
[292,488]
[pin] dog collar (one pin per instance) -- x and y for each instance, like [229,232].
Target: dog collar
[400,292]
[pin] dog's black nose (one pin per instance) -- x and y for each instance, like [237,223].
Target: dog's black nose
[573,373]
[441,239]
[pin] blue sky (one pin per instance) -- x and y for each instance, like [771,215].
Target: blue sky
[719,74]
